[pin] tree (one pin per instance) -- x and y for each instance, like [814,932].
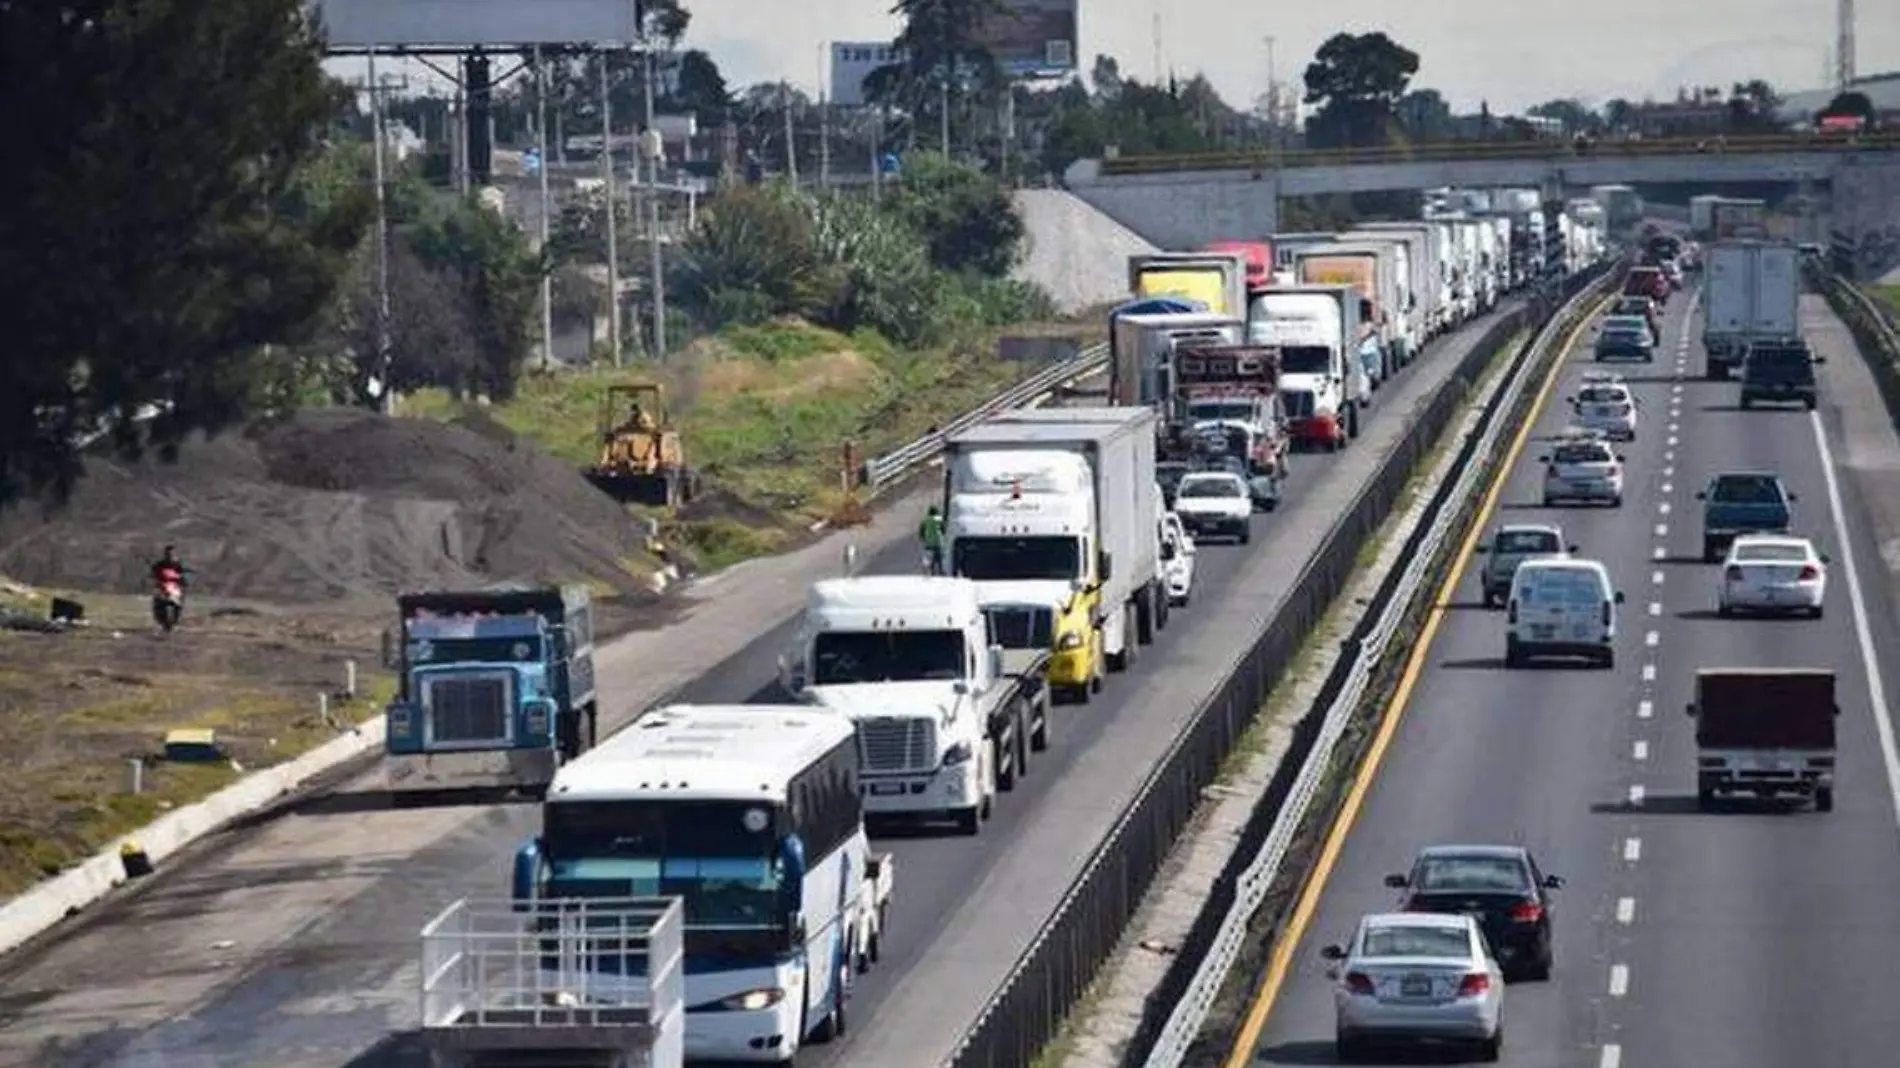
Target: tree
[150,158]
[499,276]
[968,219]
[702,89]
[1357,80]
[943,55]
[1752,106]
[1851,104]
[431,337]
[1426,116]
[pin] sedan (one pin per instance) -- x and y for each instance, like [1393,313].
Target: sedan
[1772,573]
[1416,977]
[1502,886]
[1215,504]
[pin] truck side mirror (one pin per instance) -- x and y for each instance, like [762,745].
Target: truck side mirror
[1689,709]
[996,662]
[1168,553]
[1701,495]
[1820,359]
[1619,597]
[790,676]
[1104,565]
[1482,548]
[529,870]
[1793,497]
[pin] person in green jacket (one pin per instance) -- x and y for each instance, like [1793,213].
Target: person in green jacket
[930,532]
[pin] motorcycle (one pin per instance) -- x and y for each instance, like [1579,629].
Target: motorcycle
[168,603]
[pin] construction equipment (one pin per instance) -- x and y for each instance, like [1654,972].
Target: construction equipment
[641,457]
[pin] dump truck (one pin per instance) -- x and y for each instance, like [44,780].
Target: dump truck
[642,459]
[1768,732]
[495,691]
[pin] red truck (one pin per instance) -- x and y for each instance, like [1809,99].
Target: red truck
[1765,732]
[1230,395]
[1259,257]
[1648,282]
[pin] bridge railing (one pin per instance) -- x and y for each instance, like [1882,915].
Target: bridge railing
[1457,151]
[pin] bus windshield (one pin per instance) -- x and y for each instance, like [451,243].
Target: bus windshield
[1011,559]
[718,856]
[844,657]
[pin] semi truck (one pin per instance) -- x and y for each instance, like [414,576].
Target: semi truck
[1324,343]
[1622,206]
[1258,255]
[1218,280]
[1767,732]
[1404,336]
[1141,351]
[1229,403]
[495,690]
[1286,246]
[943,724]
[1372,269]
[1738,218]
[1065,497]
[1753,292]
[1431,264]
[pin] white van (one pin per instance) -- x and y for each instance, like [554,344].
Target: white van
[1562,607]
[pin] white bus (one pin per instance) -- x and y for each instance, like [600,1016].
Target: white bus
[751,815]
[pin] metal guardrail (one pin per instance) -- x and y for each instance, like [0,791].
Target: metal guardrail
[1355,674]
[1088,923]
[1454,151]
[878,473]
[1874,330]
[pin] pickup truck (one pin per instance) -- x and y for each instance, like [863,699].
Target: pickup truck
[1779,372]
[1742,503]
[1765,731]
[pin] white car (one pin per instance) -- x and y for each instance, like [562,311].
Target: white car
[1417,977]
[1582,469]
[1606,405]
[1772,573]
[1561,606]
[1215,504]
[1177,559]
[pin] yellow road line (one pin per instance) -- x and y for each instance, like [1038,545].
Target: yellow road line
[1282,958]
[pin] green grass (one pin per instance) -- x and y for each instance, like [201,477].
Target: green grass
[1888,296]
[766,414]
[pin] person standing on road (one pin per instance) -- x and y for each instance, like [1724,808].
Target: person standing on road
[930,532]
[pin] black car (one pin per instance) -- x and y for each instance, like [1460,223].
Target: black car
[1779,372]
[1500,885]
[1168,473]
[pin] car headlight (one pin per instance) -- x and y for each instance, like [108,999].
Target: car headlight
[750,1000]
[959,753]
[1069,642]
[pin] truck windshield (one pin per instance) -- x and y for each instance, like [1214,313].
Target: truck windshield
[703,852]
[474,650]
[1239,411]
[845,657]
[1021,626]
[1306,359]
[1014,559]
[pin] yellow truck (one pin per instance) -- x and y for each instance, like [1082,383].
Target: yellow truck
[1215,280]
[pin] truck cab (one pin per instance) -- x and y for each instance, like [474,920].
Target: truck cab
[1748,502]
[1315,362]
[495,691]
[1766,732]
[909,660]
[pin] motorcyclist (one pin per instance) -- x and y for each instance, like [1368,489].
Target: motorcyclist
[930,532]
[169,568]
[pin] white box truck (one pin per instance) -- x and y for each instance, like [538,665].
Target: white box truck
[1324,348]
[1065,498]
[1753,292]
[1141,347]
[1414,278]
[1373,269]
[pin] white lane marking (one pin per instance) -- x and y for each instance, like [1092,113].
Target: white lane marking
[1668,472]
[1639,750]
[1668,487]
[1658,553]
[1662,530]
[1655,608]
[1637,793]
[1652,639]
[1610,1057]
[1663,508]
[1649,673]
[1656,578]
[1669,457]
[1645,709]
[1673,442]
[1632,849]
[1673,427]
[1619,980]
[1626,910]
[1869,658]
[1677,389]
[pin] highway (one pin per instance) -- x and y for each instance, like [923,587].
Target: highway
[1747,938]
[293,944]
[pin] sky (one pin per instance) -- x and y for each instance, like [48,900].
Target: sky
[1512,54]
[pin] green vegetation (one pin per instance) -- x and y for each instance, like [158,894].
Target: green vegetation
[1888,296]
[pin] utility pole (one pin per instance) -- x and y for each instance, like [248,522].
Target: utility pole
[613,214]
[943,112]
[653,147]
[1844,47]
[824,123]
[379,135]
[1273,100]
[791,133]
[547,206]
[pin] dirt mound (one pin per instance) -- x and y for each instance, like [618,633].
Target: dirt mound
[327,505]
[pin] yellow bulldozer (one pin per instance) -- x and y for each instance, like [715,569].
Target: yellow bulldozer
[641,457]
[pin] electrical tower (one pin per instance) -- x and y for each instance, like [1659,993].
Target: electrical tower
[1844,47]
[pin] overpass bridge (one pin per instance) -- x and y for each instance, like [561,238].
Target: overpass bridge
[1182,200]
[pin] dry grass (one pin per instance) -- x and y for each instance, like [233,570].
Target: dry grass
[77,707]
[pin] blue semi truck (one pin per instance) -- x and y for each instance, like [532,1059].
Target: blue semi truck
[496,690]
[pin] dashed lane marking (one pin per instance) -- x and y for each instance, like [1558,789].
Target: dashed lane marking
[1645,709]
[1632,850]
[1639,750]
[1626,910]
[1636,794]
[1619,980]
[1649,673]
[1610,1057]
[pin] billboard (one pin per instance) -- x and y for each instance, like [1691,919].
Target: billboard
[419,25]
[851,63]
[1034,38]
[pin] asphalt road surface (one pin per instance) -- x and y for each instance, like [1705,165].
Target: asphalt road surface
[1750,938]
[239,959]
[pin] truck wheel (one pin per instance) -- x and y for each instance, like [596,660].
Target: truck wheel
[1746,403]
[1711,552]
[1824,799]
[1164,605]
[1039,739]
[1810,402]
[1352,420]
[1704,799]
[1126,659]
[969,821]
[1145,616]
[1002,753]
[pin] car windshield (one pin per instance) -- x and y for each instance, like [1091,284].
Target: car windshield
[1416,941]
[1211,487]
[1562,585]
[1470,873]
[1632,306]
[1527,541]
[1580,454]
[1601,395]
[1771,554]
[1747,489]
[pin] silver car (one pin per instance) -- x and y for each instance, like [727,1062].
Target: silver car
[1510,545]
[1417,977]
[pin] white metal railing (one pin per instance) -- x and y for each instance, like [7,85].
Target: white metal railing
[1191,1011]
